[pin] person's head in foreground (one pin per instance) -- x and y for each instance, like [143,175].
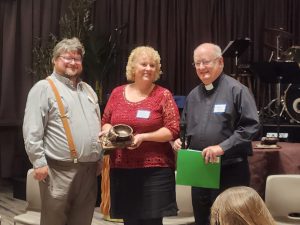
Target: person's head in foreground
[240,206]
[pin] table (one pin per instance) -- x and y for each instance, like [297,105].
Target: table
[265,162]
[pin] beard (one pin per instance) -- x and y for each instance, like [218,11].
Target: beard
[72,73]
[71,76]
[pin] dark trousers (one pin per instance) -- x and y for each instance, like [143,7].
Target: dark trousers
[157,221]
[236,174]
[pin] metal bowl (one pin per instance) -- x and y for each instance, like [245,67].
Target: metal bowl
[124,132]
[120,132]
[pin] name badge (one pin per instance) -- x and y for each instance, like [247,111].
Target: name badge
[144,114]
[219,108]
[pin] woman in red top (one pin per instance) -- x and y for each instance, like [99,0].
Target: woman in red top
[142,177]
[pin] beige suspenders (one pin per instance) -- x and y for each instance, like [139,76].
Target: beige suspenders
[64,120]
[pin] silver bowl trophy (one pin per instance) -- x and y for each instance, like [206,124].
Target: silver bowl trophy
[119,136]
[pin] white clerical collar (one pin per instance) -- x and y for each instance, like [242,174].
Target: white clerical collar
[209,87]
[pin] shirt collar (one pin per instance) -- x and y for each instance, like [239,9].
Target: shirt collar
[214,84]
[66,81]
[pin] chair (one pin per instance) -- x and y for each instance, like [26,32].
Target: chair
[179,100]
[184,202]
[32,214]
[282,198]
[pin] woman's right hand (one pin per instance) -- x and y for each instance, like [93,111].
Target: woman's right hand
[102,132]
[105,129]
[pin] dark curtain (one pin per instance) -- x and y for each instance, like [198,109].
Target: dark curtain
[173,27]
[176,27]
[20,22]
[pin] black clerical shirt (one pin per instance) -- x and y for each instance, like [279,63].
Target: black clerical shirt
[225,116]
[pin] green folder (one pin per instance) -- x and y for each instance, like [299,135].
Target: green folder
[192,170]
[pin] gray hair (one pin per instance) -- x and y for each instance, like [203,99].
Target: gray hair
[67,45]
[216,50]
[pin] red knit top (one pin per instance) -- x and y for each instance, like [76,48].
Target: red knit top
[156,111]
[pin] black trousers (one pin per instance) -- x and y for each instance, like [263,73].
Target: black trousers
[157,221]
[236,174]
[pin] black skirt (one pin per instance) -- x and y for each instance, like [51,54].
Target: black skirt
[142,193]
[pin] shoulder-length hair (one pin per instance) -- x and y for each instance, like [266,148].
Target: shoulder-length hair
[137,52]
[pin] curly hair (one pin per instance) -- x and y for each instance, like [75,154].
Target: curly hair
[137,52]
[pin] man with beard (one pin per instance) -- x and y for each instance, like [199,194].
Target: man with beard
[61,127]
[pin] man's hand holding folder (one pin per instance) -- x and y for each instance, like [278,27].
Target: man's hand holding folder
[212,153]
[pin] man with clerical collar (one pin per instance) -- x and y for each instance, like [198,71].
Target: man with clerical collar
[221,119]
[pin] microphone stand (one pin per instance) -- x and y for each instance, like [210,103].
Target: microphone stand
[112,52]
[183,135]
[277,47]
[114,39]
[278,93]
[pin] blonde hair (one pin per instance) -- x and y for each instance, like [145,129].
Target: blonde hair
[137,52]
[240,206]
[67,45]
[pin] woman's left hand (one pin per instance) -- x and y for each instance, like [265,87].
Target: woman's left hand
[137,141]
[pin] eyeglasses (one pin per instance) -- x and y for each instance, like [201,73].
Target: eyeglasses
[70,59]
[204,62]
